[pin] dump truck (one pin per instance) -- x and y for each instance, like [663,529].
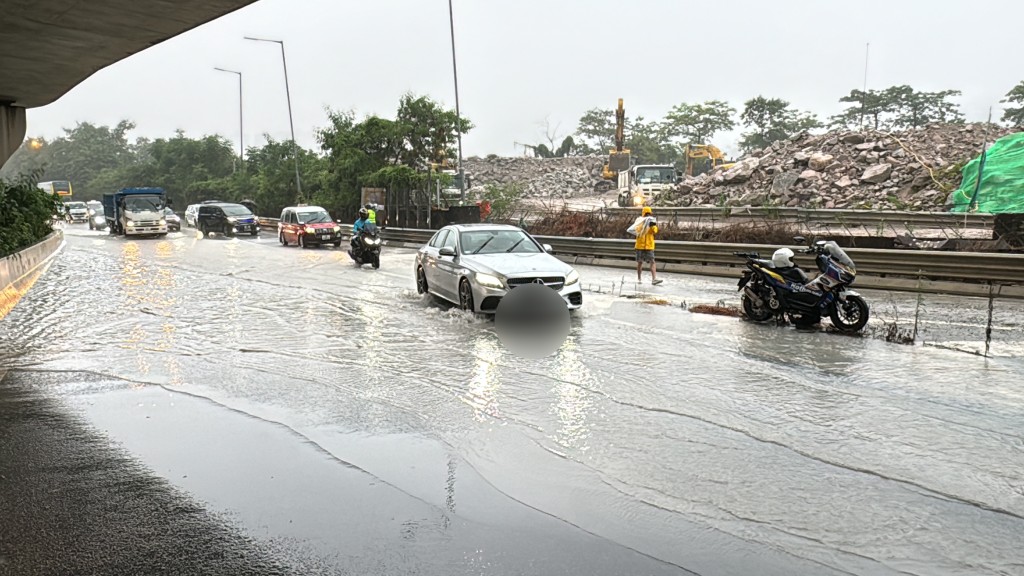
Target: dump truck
[643,182]
[136,212]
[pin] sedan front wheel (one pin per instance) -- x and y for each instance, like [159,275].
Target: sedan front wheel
[466,296]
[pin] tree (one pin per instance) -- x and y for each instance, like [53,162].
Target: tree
[595,133]
[913,109]
[897,107]
[772,119]
[869,108]
[430,131]
[358,152]
[25,218]
[698,123]
[649,142]
[551,149]
[1014,116]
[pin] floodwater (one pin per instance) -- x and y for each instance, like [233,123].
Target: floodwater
[703,443]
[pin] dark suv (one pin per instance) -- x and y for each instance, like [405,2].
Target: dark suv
[226,219]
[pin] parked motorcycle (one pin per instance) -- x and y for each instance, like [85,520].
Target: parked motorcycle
[777,288]
[365,247]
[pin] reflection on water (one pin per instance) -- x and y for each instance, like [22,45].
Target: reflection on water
[574,405]
[482,392]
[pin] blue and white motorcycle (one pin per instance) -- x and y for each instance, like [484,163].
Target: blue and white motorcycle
[780,289]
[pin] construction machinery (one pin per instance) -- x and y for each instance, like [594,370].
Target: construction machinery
[703,158]
[619,158]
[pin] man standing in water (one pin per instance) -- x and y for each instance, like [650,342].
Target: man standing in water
[645,231]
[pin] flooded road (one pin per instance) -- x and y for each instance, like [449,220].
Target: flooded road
[656,441]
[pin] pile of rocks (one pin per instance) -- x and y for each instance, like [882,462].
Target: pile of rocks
[540,177]
[911,170]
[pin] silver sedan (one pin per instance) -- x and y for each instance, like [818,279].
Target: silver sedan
[475,265]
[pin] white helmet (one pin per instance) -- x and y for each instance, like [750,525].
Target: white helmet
[783,258]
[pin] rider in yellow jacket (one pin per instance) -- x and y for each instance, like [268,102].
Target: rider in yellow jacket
[644,245]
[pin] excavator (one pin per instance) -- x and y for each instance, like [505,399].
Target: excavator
[619,158]
[702,158]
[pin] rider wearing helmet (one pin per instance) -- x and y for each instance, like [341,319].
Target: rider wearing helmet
[364,219]
[371,213]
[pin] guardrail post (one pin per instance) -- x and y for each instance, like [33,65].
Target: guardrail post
[988,326]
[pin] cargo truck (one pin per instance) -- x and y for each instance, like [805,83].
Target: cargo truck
[136,212]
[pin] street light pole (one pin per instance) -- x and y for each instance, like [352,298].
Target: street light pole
[458,115]
[241,133]
[291,123]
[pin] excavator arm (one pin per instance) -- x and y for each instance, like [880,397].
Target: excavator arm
[618,159]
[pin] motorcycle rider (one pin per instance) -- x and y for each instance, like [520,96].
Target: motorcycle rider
[361,222]
[371,213]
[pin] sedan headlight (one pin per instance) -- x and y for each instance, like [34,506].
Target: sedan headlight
[572,277]
[337,229]
[232,219]
[310,230]
[489,280]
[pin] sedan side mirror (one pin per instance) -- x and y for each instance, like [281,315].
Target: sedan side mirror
[799,239]
[548,248]
[447,251]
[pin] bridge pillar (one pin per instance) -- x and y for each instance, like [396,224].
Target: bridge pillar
[12,130]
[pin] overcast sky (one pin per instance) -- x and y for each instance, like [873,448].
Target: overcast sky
[523,61]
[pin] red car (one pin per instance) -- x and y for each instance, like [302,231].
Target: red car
[308,226]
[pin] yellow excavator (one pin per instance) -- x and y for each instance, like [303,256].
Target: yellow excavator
[702,158]
[619,157]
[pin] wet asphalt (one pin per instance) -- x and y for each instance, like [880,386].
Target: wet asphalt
[195,406]
[72,504]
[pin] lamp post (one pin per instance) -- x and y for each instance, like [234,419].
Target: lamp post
[291,123]
[241,134]
[458,116]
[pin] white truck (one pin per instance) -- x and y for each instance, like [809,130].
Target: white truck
[643,182]
[136,212]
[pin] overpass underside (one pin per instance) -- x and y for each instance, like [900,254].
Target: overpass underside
[47,47]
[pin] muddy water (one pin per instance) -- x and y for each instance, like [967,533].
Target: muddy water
[706,442]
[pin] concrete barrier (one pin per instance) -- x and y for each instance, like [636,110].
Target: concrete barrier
[19,271]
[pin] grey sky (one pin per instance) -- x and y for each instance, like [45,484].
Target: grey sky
[526,60]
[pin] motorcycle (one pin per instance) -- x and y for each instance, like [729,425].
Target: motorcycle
[365,247]
[770,290]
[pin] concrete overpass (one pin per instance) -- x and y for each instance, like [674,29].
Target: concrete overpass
[47,47]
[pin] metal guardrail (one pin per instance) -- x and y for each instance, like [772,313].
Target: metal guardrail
[820,216]
[984,267]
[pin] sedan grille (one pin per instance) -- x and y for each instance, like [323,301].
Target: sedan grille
[554,282]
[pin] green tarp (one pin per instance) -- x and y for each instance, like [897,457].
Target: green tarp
[1002,179]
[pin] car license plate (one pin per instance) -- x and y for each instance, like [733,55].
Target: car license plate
[325,236]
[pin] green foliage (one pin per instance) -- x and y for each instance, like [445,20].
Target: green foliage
[698,123]
[394,153]
[27,213]
[772,119]
[897,107]
[1014,115]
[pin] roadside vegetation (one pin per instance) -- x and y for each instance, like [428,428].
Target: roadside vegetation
[25,213]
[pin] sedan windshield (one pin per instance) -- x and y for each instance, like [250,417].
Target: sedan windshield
[76,205]
[320,217]
[497,242]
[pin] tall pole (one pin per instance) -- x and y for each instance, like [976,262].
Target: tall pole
[867,52]
[458,115]
[241,132]
[291,122]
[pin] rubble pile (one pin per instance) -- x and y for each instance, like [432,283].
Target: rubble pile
[540,177]
[910,170]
